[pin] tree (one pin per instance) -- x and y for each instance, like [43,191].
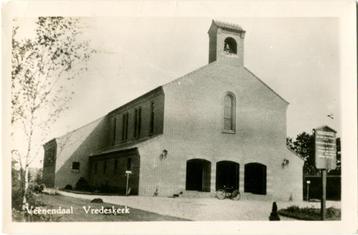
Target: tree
[304,145]
[41,67]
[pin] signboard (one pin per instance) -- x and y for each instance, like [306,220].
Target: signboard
[325,148]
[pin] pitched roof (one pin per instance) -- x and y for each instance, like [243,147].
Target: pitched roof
[215,63]
[295,153]
[115,150]
[326,128]
[273,91]
[229,26]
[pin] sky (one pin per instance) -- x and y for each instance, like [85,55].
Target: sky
[296,57]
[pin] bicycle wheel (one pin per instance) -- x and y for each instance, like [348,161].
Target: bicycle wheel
[235,195]
[220,194]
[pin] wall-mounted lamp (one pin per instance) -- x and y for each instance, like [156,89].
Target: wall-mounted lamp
[285,163]
[163,155]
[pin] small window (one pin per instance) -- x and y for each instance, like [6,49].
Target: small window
[114,130]
[230,46]
[151,128]
[229,112]
[137,122]
[129,164]
[125,126]
[76,166]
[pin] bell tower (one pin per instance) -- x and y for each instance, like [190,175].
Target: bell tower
[226,42]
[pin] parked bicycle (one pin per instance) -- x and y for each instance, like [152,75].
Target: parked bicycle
[228,192]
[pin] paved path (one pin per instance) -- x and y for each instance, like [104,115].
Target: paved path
[202,209]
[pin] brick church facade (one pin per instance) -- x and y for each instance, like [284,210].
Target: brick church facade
[218,126]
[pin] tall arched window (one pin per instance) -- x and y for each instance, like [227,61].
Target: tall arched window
[229,112]
[230,46]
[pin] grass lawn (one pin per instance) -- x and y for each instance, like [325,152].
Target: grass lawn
[79,214]
[308,213]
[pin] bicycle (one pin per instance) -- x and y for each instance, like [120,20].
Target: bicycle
[228,192]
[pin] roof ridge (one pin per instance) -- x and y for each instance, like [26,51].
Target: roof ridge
[126,146]
[187,74]
[266,85]
[74,130]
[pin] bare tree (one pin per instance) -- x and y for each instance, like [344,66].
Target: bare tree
[41,67]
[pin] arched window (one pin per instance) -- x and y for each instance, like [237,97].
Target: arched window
[230,46]
[229,112]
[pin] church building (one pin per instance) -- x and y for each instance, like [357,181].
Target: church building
[218,126]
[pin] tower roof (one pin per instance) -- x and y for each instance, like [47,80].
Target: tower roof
[229,26]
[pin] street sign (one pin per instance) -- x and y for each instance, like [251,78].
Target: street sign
[325,148]
[325,158]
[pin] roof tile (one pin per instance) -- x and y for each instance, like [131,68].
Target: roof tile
[221,24]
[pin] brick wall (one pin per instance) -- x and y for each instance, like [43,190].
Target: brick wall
[107,172]
[193,127]
[76,146]
[153,99]
[102,135]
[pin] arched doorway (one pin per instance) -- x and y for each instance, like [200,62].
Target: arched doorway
[227,174]
[255,178]
[198,173]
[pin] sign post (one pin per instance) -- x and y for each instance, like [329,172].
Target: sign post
[308,189]
[323,200]
[127,183]
[325,158]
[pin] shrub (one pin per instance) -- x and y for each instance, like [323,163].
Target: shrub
[310,213]
[16,197]
[68,187]
[17,194]
[333,212]
[97,200]
[293,208]
[17,188]
[36,188]
[83,185]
